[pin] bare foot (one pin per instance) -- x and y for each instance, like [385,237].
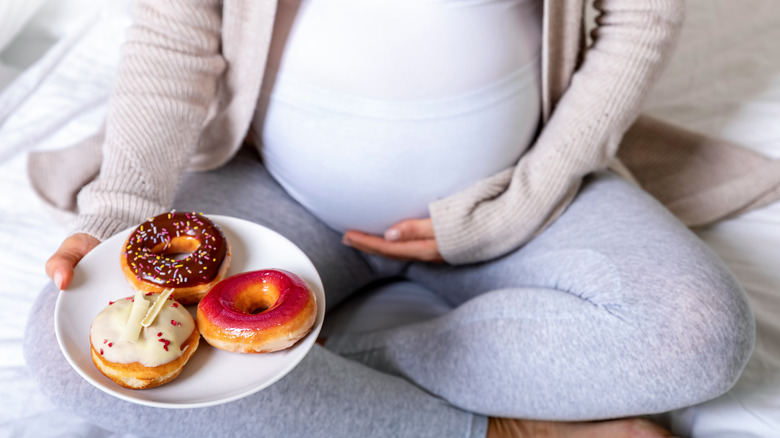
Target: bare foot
[623,428]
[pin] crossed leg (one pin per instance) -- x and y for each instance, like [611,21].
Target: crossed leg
[593,319]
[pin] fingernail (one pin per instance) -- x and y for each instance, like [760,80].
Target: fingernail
[392,234]
[58,280]
[345,240]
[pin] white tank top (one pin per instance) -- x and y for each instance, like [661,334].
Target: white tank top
[372,109]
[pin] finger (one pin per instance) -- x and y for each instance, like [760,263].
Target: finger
[60,266]
[423,250]
[420,249]
[410,229]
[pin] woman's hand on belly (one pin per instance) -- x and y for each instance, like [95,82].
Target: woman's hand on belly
[412,239]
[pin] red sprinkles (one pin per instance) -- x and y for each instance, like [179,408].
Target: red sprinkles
[166,343]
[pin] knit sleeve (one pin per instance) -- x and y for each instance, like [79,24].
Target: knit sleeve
[631,41]
[166,81]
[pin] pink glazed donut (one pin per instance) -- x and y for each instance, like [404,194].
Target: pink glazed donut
[257,312]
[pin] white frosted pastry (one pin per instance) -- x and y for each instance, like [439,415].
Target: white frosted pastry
[143,345]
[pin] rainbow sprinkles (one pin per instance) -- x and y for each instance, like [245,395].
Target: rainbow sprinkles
[176,250]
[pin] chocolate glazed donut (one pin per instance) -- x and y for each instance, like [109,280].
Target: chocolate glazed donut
[186,252]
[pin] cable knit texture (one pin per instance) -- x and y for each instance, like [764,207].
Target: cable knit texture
[191,71]
[165,84]
[631,43]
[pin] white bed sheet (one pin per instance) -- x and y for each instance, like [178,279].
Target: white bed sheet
[79,40]
[724,81]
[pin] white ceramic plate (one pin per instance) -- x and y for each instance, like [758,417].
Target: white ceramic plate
[211,376]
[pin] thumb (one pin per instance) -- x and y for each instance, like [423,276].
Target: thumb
[410,229]
[60,266]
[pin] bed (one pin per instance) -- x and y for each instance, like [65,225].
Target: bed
[724,80]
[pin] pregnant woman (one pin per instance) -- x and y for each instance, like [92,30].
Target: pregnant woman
[462,144]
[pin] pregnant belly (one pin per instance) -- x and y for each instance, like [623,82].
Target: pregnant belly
[366,164]
[373,109]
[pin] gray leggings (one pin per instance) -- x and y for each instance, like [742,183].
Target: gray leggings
[615,310]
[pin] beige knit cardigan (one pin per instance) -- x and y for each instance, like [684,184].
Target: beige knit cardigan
[191,72]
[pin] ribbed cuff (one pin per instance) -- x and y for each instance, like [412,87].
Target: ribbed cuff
[106,210]
[453,220]
[99,227]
